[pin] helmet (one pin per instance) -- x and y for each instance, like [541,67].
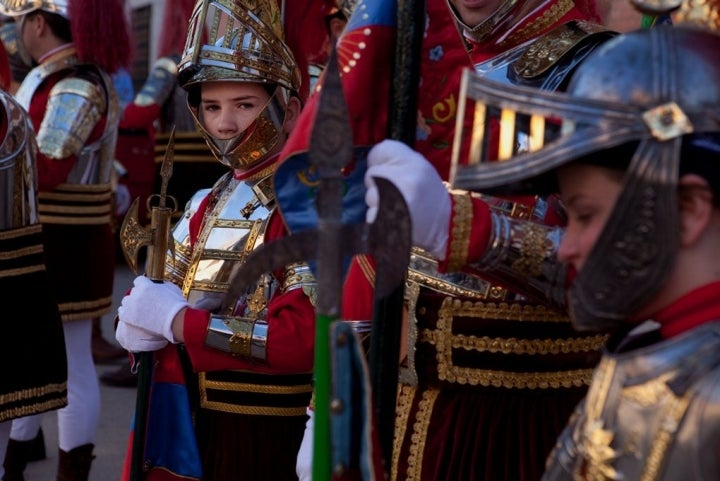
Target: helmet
[242,41]
[15,8]
[245,42]
[638,91]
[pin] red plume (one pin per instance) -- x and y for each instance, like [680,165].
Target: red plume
[305,34]
[101,33]
[174,27]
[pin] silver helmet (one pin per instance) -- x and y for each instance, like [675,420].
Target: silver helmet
[640,90]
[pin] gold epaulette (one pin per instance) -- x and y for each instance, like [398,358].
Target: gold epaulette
[554,47]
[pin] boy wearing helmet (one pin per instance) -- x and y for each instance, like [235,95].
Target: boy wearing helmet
[253,364]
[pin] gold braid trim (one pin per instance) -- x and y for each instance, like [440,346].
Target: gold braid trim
[271,389]
[20,232]
[88,309]
[22,252]
[420,433]
[59,391]
[665,436]
[512,345]
[402,413]
[460,234]
[447,371]
[534,28]
[366,267]
[25,251]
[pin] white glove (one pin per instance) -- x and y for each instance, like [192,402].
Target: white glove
[135,339]
[425,194]
[303,466]
[152,307]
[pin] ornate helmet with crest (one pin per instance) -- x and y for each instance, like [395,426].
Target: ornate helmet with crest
[636,99]
[240,41]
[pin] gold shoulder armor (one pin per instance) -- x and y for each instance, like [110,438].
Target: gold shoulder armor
[74,108]
[556,47]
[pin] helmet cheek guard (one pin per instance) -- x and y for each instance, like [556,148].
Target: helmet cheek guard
[638,88]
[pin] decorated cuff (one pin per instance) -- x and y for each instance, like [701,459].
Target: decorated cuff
[239,336]
[469,231]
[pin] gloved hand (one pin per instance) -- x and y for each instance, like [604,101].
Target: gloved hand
[303,466]
[135,339]
[425,194]
[151,307]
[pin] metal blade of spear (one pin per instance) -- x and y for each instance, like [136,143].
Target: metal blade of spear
[330,150]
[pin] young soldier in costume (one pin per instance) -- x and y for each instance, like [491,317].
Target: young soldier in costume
[492,27]
[637,168]
[74,111]
[485,390]
[253,364]
[37,381]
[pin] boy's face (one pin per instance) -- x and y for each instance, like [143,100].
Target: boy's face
[474,12]
[228,108]
[589,193]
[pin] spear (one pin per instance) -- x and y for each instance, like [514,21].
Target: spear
[156,238]
[388,310]
[330,150]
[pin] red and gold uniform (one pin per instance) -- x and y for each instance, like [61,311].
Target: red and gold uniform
[261,386]
[491,369]
[75,192]
[251,364]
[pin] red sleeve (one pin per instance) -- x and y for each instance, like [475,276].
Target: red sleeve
[357,301]
[291,332]
[139,117]
[480,228]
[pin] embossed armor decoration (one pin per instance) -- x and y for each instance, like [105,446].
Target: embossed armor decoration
[516,21]
[602,111]
[242,45]
[651,414]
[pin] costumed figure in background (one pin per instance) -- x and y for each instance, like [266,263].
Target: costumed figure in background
[636,161]
[252,365]
[35,378]
[74,111]
[491,368]
[18,66]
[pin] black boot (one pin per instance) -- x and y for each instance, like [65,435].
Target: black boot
[36,452]
[74,465]
[16,458]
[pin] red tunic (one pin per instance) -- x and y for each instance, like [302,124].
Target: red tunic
[80,254]
[259,436]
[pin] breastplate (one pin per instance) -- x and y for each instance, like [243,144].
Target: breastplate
[651,414]
[18,175]
[234,225]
